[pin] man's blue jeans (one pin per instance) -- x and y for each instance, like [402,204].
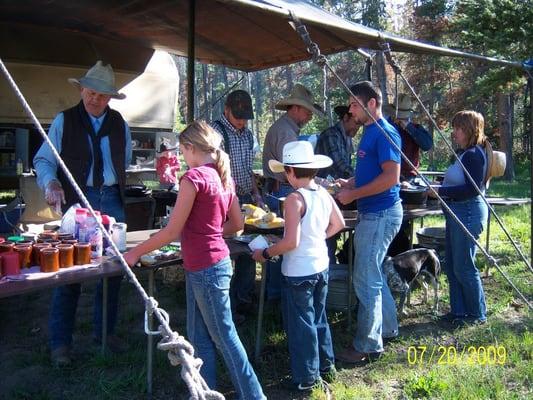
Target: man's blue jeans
[243,282]
[210,326]
[303,301]
[273,276]
[376,315]
[65,298]
[467,298]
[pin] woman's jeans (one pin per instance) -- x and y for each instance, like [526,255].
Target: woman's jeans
[376,315]
[65,298]
[303,302]
[210,326]
[466,291]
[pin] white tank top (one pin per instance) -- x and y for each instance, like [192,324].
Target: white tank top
[311,256]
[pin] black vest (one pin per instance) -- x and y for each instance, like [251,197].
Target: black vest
[76,148]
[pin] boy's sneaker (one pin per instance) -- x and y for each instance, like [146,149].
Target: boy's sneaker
[330,375]
[302,386]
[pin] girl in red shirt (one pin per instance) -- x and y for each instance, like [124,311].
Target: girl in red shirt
[206,209]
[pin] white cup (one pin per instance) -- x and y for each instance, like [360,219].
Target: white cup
[258,243]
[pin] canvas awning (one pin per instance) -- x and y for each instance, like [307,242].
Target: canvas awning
[243,34]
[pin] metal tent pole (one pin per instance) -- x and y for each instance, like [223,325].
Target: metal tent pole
[190,61]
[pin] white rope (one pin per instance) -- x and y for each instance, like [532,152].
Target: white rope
[179,350]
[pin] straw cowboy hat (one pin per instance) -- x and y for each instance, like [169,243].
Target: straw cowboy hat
[405,107]
[300,154]
[496,160]
[101,79]
[300,96]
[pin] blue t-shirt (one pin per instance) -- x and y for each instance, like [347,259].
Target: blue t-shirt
[374,149]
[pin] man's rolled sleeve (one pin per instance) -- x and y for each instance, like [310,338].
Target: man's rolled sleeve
[44,161]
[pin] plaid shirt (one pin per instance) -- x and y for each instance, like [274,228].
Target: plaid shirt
[334,143]
[241,154]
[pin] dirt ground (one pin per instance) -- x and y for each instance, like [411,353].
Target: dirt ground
[27,373]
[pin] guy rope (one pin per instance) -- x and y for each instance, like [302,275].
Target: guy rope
[180,351]
[321,61]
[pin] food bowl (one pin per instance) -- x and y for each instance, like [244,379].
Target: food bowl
[432,237]
[414,196]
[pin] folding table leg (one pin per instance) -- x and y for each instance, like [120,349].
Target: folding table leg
[150,340]
[259,332]
[104,314]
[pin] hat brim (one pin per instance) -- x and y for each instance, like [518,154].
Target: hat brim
[97,86]
[285,103]
[320,161]
[243,114]
[390,110]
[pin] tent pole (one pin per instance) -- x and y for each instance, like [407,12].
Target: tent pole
[530,79]
[190,61]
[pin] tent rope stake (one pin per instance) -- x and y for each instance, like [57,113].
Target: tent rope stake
[321,60]
[180,351]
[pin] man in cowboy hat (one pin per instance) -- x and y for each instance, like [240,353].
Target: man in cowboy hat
[238,142]
[336,143]
[375,186]
[299,108]
[94,141]
[414,136]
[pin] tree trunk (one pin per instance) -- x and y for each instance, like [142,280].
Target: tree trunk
[206,109]
[290,81]
[506,132]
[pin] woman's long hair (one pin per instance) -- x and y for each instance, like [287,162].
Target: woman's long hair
[205,139]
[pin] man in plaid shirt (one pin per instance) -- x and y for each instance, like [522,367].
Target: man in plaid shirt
[336,143]
[238,142]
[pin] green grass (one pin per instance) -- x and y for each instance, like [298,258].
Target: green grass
[394,376]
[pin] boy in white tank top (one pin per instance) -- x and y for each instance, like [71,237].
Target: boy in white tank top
[311,216]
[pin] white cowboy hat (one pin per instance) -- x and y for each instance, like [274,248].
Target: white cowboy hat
[101,79]
[300,154]
[496,160]
[300,96]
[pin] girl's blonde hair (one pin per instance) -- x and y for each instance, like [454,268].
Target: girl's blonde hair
[473,125]
[205,139]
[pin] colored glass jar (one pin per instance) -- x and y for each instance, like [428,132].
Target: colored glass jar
[10,263]
[24,252]
[36,252]
[66,255]
[49,259]
[6,246]
[82,253]
[48,235]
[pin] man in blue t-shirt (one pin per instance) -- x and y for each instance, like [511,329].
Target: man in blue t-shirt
[375,186]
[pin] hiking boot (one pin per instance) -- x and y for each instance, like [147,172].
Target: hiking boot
[60,357]
[114,344]
[302,387]
[330,375]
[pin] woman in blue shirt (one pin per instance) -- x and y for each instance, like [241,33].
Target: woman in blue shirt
[467,299]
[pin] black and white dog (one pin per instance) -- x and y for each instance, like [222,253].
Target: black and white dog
[417,265]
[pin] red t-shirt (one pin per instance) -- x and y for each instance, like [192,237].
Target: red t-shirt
[202,244]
